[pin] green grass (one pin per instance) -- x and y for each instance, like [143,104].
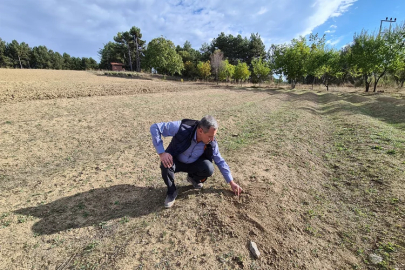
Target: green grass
[366,163]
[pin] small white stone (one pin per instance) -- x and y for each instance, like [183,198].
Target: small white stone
[375,259]
[253,248]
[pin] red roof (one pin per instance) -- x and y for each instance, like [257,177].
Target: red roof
[116,64]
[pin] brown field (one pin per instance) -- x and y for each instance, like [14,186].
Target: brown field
[323,176]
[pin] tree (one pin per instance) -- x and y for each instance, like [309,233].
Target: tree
[187,53]
[205,51]
[19,53]
[371,56]
[397,46]
[161,55]
[5,61]
[216,62]
[256,48]
[240,50]
[56,60]
[398,72]
[88,63]
[190,69]
[234,48]
[260,70]
[66,61]
[40,57]
[76,63]
[138,45]
[110,53]
[241,72]
[226,71]
[290,59]
[125,39]
[316,57]
[204,69]
[330,67]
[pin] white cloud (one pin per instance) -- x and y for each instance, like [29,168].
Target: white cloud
[335,41]
[262,11]
[343,7]
[333,26]
[323,10]
[329,31]
[80,28]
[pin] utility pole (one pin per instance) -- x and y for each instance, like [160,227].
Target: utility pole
[386,20]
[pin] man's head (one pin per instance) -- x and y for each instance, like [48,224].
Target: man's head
[207,129]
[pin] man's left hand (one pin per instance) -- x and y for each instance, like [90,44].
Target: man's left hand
[236,188]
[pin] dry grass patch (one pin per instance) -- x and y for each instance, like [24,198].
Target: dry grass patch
[81,188]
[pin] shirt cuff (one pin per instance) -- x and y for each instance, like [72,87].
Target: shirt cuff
[228,178]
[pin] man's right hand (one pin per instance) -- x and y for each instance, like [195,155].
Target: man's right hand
[166,159]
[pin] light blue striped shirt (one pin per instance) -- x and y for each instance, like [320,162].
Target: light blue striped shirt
[195,150]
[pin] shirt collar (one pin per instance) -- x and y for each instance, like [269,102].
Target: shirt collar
[195,136]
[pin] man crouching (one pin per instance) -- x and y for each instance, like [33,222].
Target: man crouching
[192,150]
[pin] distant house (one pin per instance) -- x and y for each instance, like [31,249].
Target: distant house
[117,67]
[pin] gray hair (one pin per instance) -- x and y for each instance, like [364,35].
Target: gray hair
[207,122]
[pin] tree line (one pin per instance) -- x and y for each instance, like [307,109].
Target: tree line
[369,58]
[364,62]
[21,55]
[227,57]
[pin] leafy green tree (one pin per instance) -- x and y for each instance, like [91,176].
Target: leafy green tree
[40,58]
[88,63]
[290,59]
[109,54]
[330,68]
[138,45]
[205,52]
[5,61]
[190,69]
[234,48]
[240,50]
[129,46]
[161,55]
[345,64]
[261,71]
[204,69]
[226,71]
[19,53]
[316,57]
[187,53]
[66,61]
[185,56]
[398,72]
[76,63]
[242,72]
[256,48]
[124,39]
[372,56]
[396,41]
[56,60]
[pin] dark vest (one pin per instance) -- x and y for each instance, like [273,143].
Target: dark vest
[182,140]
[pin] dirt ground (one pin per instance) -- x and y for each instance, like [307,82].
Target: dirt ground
[80,183]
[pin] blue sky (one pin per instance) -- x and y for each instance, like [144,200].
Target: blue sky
[81,27]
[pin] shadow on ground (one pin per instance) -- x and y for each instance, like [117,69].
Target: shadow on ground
[100,205]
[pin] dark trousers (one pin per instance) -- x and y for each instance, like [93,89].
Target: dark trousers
[198,170]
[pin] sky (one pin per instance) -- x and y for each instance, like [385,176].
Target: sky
[81,27]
